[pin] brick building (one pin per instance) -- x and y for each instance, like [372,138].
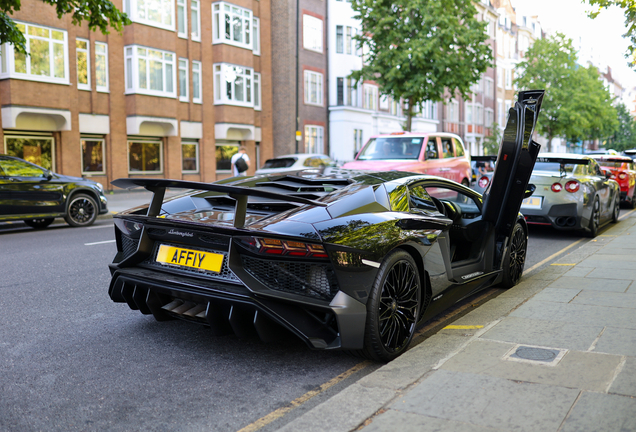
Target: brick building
[173,96]
[299,67]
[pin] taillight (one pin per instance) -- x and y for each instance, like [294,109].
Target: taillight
[483,182]
[622,176]
[556,187]
[572,186]
[290,248]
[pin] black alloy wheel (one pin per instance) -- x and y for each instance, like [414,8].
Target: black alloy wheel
[393,308]
[595,218]
[616,211]
[515,258]
[82,211]
[39,223]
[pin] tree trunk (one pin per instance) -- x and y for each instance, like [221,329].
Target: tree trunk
[550,143]
[409,115]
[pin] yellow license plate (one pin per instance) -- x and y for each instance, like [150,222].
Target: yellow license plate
[532,202]
[190,258]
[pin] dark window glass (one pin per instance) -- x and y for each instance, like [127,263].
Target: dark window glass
[144,156]
[279,163]
[38,151]
[447,148]
[224,155]
[340,91]
[431,148]
[92,156]
[17,168]
[339,40]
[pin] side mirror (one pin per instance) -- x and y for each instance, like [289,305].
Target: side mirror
[48,175]
[529,190]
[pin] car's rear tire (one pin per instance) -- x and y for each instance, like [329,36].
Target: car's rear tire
[616,211]
[82,211]
[595,219]
[393,308]
[515,258]
[39,223]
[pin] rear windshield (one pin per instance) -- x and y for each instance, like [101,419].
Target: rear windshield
[392,148]
[279,163]
[558,168]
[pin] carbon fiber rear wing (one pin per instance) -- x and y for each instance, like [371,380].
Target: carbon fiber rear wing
[485,158]
[622,159]
[238,193]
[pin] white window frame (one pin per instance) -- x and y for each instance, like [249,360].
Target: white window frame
[313,33]
[370,100]
[133,57]
[183,90]
[508,78]
[347,39]
[469,113]
[317,132]
[196,144]
[130,140]
[489,117]
[87,51]
[167,6]
[196,82]
[339,39]
[103,171]
[311,97]
[453,111]
[221,10]
[100,88]
[223,71]
[500,113]
[258,103]
[490,86]
[181,8]
[256,36]
[9,53]
[195,18]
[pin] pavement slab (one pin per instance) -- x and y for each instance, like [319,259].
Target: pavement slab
[611,299]
[625,382]
[488,401]
[577,314]
[581,370]
[343,412]
[558,295]
[613,273]
[548,333]
[595,412]
[578,272]
[409,422]
[617,341]
[585,283]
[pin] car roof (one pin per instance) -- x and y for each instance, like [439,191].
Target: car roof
[417,134]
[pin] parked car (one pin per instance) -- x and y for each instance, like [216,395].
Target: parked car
[439,154]
[631,153]
[601,152]
[482,168]
[37,196]
[622,169]
[342,262]
[296,162]
[572,193]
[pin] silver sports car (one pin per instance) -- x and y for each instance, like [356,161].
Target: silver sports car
[572,193]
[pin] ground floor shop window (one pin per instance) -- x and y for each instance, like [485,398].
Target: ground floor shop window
[190,157]
[92,155]
[34,149]
[144,156]
[224,152]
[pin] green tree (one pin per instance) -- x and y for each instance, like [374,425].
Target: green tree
[99,14]
[625,136]
[492,142]
[575,105]
[417,49]
[629,6]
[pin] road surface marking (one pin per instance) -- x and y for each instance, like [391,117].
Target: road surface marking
[280,412]
[462,327]
[551,257]
[102,242]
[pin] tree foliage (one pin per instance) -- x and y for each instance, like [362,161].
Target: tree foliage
[625,136]
[416,49]
[629,6]
[576,105]
[99,14]
[492,142]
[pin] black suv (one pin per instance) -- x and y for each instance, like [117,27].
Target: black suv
[37,196]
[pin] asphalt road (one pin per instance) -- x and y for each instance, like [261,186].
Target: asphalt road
[71,359]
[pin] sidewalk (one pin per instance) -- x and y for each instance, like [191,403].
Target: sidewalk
[555,353]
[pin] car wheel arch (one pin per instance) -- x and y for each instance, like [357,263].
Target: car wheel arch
[425,280]
[85,191]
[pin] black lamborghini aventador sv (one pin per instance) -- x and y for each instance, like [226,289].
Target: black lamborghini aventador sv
[343,260]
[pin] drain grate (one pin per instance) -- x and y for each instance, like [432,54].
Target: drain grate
[536,355]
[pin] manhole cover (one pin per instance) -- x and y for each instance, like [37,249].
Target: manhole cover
[535,354]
